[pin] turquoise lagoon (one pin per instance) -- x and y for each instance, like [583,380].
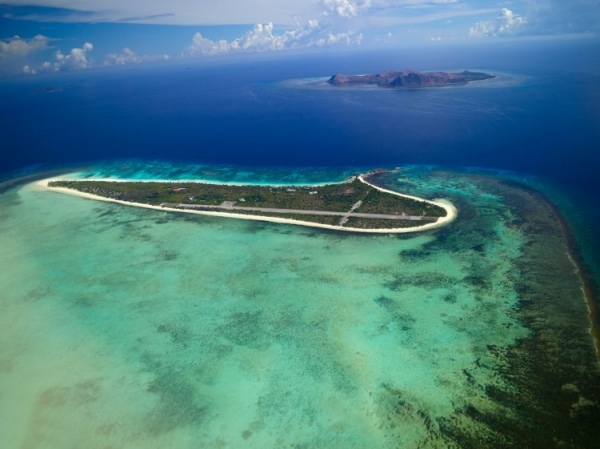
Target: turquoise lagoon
[131,328]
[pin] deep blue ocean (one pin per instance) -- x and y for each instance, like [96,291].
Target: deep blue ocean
[540,118]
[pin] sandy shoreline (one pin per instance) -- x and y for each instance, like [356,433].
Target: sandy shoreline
[451,211]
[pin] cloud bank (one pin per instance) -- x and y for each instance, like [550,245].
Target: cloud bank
[79,58]
[507,23]
[128,56]
[16,47]
[14,52]
[346,8]
[262,38]
[277,26]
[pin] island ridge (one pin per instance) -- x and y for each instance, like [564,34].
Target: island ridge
[409,78]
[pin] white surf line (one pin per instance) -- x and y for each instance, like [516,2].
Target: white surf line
[202,181]
[442,221]
[451,211]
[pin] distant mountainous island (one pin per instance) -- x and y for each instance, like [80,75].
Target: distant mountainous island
[409,78]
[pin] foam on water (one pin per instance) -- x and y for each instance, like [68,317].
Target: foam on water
[157,170]
[143,329]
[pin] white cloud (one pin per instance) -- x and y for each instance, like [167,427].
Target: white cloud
[346,8]
[204,46]
[353,8]
[209,12]
[79,58]
[17,47]
[128,56]
[262,38]
[76,59]
[15,52]
[543,16]
[505,24]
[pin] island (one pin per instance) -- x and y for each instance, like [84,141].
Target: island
[409,79]
[357,204]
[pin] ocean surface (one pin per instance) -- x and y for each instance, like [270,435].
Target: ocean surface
[147,329]
[540,117]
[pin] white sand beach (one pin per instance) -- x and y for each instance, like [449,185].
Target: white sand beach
[451,211]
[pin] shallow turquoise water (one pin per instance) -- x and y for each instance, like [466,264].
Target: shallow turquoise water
[125,327]
[144,170]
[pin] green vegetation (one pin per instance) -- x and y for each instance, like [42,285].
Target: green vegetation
[373,223]
[377,201]
[341,198]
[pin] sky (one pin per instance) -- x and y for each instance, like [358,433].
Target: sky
[41,36]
